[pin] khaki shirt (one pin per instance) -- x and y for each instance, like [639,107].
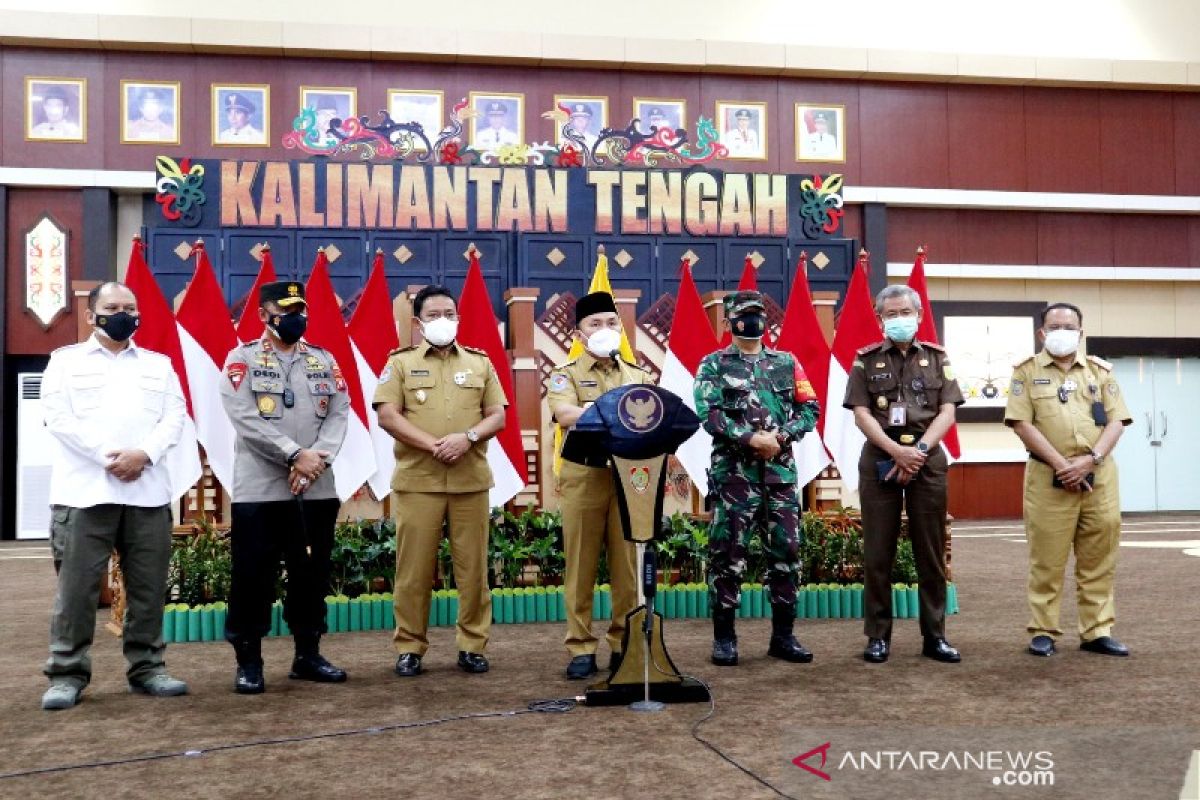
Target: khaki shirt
[268,431]
[919,382]
[441,395]
[580,381]
[1033,396]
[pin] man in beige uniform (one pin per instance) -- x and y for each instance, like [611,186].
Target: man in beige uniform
[591,517]
[1068,411]
[441,402]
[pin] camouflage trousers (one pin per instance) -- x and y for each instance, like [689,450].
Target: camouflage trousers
[740,510]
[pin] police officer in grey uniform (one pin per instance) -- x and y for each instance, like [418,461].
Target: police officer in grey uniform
[287,401]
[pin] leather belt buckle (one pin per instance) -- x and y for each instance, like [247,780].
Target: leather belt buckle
[907,438]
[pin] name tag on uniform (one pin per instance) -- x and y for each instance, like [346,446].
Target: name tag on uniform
[1041,381]
[419,373]
[898,415]
[881,376]
[588,383]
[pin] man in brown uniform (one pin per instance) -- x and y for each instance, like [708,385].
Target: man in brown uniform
[591,517]
[903,394]
[1068,411]
[441,402]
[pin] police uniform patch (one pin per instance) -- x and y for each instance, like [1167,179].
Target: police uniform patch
[338,380]
[948,372]
[266,404]
[236,373]
[924,362]
[420,395]
[313,364]
[1017,388]
[558,382]
[881,401]
[323,404]
[386,375]
[1111,388]
[460,378]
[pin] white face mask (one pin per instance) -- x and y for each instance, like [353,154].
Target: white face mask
[440,332]
[1062,342]
[604,342]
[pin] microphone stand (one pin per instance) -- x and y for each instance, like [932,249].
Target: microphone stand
[647,588]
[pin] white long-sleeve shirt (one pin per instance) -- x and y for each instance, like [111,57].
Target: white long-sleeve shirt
[95,402]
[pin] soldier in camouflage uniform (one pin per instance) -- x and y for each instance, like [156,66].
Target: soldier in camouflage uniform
[755,403]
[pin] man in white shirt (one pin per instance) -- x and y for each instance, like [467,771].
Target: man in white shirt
[821,143]
[56,108]
[238,110]
[742,140]
[115,410]
[497,132]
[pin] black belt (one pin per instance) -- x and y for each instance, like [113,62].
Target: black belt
[903,436]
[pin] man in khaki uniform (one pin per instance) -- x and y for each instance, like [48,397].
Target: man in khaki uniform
[591,517]
[441,402]
[1068,411]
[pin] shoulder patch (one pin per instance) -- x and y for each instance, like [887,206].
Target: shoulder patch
[1101,363]
[474,350]
[1022,362]
[402,350]
[558,382]
[862,351]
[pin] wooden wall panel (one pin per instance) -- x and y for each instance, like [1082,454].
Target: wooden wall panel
[1062,140]
[18,64]
[843,93]
[904,135]
[1075,239]
[1193,242]
[1137,143]
[25,335]
[997,237]
[986,137]
[1150,241]
[1186,151]
[937,229]
[985,491]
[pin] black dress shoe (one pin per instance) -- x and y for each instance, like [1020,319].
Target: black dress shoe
[1105,646]
[939,649]
[249,679]
[472,662]
[614,661]
[581,667]
[315,668]
[1042,646]
[787,648]
[724,652]
[876,652]
[408,665]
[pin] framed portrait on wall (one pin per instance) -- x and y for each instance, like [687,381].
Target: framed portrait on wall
[56,109]
[329,103]
[149,112]
[423,106]
[241,115]
[499,120]
[984,340]
[653,112]
[820,132]
[743,129]
[587,116]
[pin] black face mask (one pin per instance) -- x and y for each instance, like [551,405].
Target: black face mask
[119,326]
[749,326]
[289,327]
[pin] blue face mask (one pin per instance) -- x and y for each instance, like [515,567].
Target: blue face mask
[900,329]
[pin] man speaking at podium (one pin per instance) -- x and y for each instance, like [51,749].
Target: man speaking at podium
[591,518]
[755,403]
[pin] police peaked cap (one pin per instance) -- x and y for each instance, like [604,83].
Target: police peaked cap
[594,303]
[283,293]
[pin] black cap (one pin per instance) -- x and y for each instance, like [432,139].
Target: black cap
[581,110]
[282,293]
[238,102]
[742,113]
[56,92]
[594,303]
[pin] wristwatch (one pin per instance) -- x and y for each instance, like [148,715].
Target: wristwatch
[922,447]
[1097,459]
[472,436]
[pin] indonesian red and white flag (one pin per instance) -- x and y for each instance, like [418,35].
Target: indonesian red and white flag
[250,327]
[801,335]
[206,336]
[158,332]
[927,332]
[373,336]
[691,339]
[478,328]
[355,462]
[748,283]
[857,328]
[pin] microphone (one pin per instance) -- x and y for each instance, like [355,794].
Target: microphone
[649,584]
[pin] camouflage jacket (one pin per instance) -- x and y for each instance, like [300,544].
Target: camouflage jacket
[737,396]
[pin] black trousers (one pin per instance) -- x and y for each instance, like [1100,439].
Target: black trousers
[260,534]
[924,500]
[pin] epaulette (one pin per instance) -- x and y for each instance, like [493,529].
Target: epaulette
[402,350]
[66,347]
[1100,362]
[933,346]
[862,351]
[474,350]
[1022,362]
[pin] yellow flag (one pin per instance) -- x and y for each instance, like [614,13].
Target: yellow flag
[600,283]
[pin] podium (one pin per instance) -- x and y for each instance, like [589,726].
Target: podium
[632,429]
